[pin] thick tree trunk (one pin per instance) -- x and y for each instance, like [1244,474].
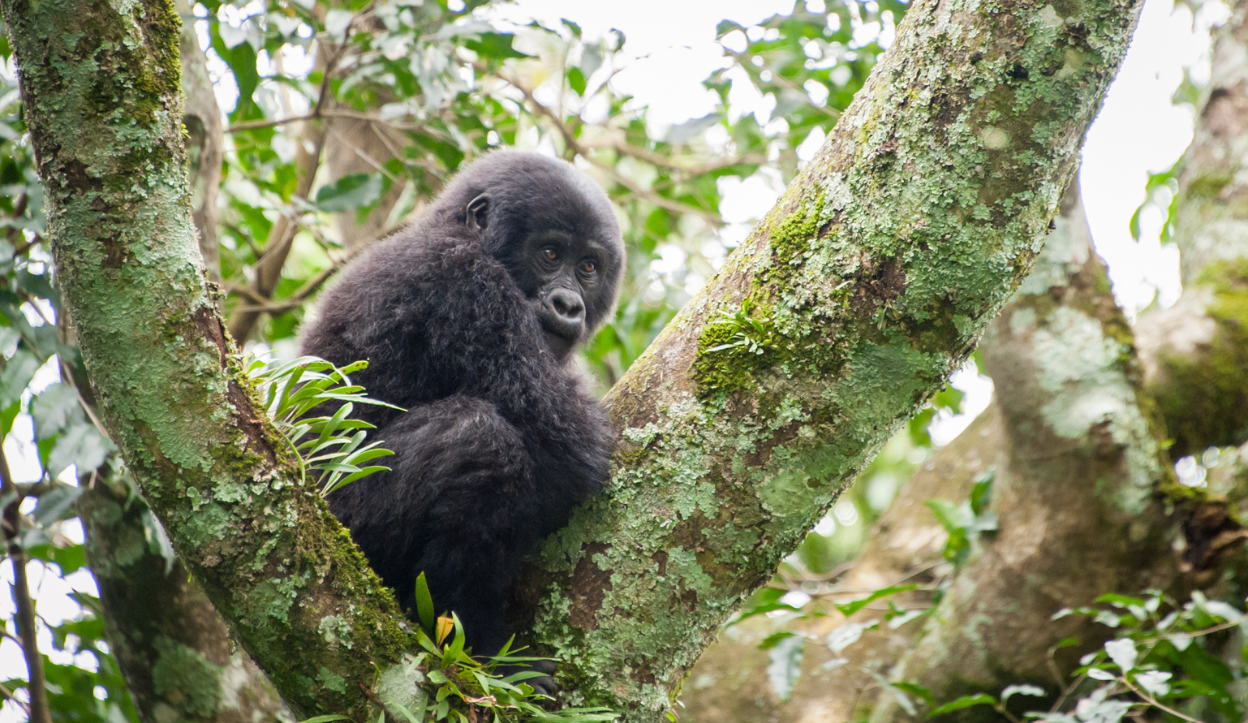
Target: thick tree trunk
[873,278]
[1076,491]
[1194,353]
[102,93]
[1199,371]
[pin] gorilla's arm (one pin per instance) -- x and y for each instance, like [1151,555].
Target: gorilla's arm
[459,505]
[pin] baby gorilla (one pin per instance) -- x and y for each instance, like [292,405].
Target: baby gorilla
[468,320]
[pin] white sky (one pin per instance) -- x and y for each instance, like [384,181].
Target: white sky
[1138,131]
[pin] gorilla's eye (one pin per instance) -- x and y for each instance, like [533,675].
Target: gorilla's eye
[589,266]
[550,253]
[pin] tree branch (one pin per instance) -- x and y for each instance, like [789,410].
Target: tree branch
[36,685]
[871,279]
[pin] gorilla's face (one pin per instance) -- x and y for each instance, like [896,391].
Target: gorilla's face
[568,275]
[560,241]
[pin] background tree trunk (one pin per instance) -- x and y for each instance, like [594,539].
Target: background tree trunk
[173,648]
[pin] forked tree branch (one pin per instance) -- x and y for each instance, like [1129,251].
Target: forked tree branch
[865,287]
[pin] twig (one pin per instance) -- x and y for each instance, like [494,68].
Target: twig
[36,685]
[8,694]
[570,140]
[1154,702]
[270,123]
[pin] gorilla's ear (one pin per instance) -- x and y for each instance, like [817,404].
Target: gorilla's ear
[475,211]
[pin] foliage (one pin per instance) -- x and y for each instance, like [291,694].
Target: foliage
[967,521]
[1166,662]
[332,446]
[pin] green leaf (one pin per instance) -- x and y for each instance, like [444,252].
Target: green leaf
[349,193]
[849,609]
[916,690]
[576,80]
[772,640]
[424,605]
[965,701]
[325,719]
[784,665]
[56,503]
[18,371]
[80,445]
[494,45]
[947,514]
[242,61]
[54,408]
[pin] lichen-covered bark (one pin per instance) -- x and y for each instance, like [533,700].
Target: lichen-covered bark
[1198,368]
[171,645]
[101,87]
[730,682]
[872,279]
[1075,491]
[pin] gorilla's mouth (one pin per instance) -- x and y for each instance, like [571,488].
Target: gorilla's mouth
[562,315]
[561,337]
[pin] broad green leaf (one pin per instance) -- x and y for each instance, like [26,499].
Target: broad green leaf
[965,701]
[54,408]
[17,373]
[80,445]
[55,504]
[784,665]
[349,193]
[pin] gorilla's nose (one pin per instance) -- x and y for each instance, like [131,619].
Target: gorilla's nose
[567,305]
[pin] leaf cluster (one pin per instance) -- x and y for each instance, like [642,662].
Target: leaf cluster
[331,444]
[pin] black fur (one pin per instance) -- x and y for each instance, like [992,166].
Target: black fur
[499,440]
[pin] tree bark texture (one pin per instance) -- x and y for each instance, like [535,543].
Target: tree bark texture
[101,84]
[730,682]
[171,645]
[205,139]
[1075,491]
[1192,354]
[173,648]
[874,276]
[1199,374]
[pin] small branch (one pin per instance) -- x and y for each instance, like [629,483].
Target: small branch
[36,685]
[1154,702]
[255,125]
[570,140]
